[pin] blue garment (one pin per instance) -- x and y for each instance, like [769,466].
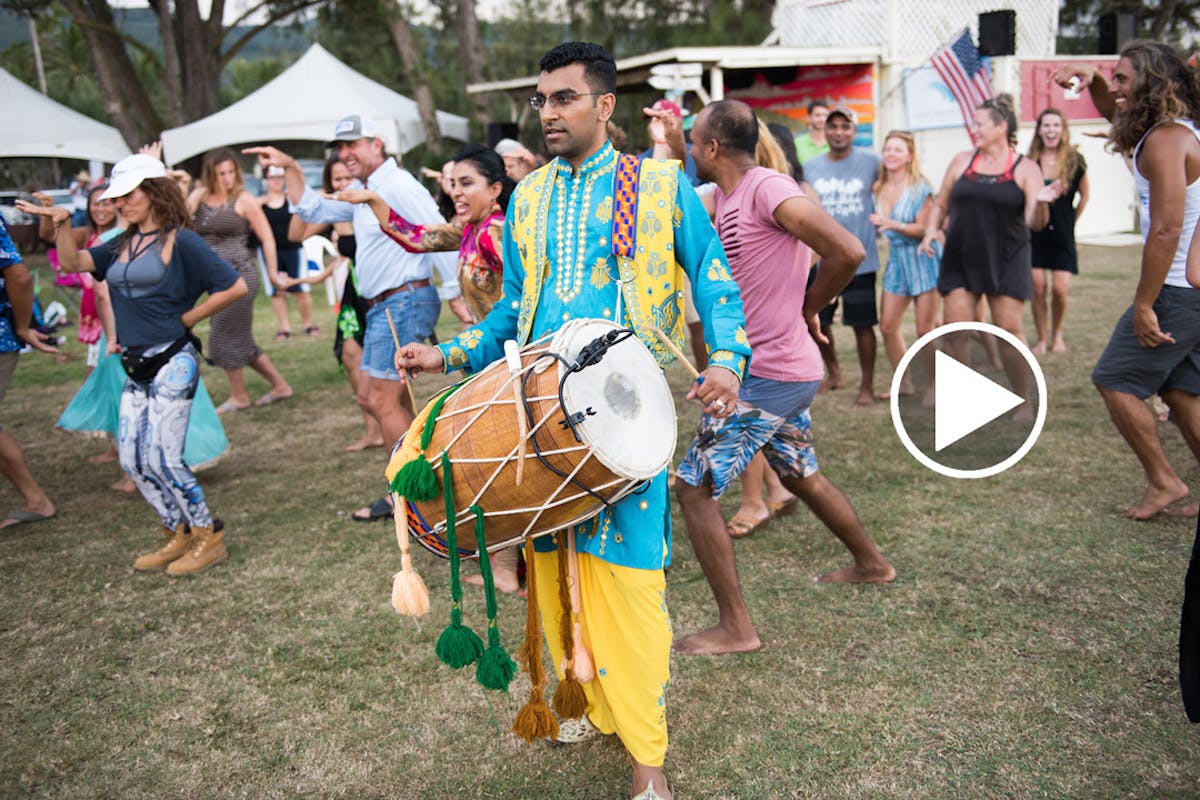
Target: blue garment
[96,406]
[9,255]
[579,284]
[909,272]
[381,263]
[149,302]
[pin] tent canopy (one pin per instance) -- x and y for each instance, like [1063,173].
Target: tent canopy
[305,102]
[39,127]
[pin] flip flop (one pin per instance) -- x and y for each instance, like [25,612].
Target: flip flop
[783,509]
[270,397]
[229,406]
[311,330]
[378,509]
[742,526]
[22,517]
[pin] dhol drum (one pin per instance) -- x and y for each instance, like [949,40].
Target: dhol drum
[600,421]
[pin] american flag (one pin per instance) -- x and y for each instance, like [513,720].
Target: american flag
[959,66]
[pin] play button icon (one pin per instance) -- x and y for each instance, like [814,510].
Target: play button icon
[958,421]
[965,401]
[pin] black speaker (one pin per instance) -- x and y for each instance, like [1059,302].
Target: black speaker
[501,130]
[1116,29]
[998,33]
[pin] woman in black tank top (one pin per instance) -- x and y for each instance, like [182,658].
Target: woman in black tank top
[993,198]
[291,259]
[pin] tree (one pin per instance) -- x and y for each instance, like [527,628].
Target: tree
[1167,20]
[413,65]
[195,51]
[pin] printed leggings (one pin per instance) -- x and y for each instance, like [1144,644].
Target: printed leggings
[152,433]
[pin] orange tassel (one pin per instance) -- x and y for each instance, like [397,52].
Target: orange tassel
[534,721]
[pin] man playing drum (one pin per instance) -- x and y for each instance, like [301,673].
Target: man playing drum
[583,239]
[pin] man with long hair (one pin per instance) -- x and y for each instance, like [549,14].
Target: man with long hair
[1154,105]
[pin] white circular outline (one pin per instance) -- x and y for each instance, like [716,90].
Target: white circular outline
[994,469]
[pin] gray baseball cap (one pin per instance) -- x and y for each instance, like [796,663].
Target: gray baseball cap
[351,129]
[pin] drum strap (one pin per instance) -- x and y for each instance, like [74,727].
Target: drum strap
[624,218]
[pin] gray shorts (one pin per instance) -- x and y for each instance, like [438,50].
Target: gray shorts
[1126,366]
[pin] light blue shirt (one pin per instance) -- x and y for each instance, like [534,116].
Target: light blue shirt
[636,532]
[381,263]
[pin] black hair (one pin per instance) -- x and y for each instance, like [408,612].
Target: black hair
[733,125]
[818,103]
[787,143]
[1000,108]
[598,66]
[490,165]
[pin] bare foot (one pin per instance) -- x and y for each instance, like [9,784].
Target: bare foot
[716,641]
[108,455]
[124,485]
[504,579]
[832,382]
[865,398]
[1039,349]
[362,444]
[857,574]
[1155,500]
[1024,413]
[1059,345]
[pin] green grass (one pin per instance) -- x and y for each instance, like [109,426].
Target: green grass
[1028,648]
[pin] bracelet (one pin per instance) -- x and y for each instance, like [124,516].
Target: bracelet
[660,141]
[931,231]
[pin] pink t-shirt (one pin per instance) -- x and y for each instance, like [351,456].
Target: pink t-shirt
[771,267]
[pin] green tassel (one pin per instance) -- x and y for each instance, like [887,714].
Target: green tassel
[458,646]
[416,480]
[496,668]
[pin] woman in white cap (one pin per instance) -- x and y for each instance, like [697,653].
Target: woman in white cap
[156,271]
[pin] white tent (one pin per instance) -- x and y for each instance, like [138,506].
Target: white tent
[305,102]
[38,126]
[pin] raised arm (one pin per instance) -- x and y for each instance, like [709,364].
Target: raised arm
[413,238]
[70,257]
[1089,78]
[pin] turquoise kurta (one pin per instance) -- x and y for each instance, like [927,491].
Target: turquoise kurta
[580,284]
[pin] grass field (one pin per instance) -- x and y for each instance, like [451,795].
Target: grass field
[1028,648]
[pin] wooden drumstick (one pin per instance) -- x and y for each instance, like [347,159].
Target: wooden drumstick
[512,355]
[678,353]
[407,378]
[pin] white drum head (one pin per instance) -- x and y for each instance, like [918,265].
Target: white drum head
[633,429]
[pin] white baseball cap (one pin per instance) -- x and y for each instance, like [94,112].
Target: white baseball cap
[129,172]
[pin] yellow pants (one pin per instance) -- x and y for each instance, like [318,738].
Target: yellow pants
[627,630]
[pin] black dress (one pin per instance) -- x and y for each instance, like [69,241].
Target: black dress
[987,247]
[1054,245]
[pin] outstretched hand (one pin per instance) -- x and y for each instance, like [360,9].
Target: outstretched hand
[269,156]
[57,214]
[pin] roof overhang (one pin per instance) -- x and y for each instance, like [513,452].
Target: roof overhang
[634,71]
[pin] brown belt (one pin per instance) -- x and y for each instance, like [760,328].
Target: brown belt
[411,286]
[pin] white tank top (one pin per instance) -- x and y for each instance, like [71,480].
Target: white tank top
[1191,213]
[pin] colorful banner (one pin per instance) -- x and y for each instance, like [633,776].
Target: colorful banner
[850,85]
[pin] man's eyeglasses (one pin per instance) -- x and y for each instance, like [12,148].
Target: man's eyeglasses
[559,99]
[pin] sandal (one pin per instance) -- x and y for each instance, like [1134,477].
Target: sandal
[283,335]
[786,508]
[742,526]
[229,406]
[311,330]
[378,509]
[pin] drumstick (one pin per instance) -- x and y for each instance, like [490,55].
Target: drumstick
[407,377]
[513,356]
[678,353]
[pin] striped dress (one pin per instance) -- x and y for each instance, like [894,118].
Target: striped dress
[908,272]
[231,342]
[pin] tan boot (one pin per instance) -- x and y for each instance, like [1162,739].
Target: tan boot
[208,548]
[175,544]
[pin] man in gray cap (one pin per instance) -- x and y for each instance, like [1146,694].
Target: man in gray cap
[389,277]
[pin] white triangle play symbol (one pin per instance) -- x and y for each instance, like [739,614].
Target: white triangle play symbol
[965,401]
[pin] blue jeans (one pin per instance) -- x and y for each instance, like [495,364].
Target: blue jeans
[414,315]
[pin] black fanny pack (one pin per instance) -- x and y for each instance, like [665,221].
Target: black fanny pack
[143,369]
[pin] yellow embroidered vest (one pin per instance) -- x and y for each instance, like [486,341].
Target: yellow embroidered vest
[643,237]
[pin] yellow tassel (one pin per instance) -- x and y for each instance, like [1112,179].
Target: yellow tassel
[409,595]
